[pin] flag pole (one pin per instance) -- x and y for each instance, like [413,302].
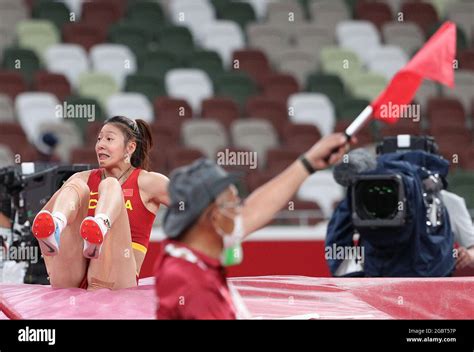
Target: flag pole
[359,122]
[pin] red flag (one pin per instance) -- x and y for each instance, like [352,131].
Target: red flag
[433,61]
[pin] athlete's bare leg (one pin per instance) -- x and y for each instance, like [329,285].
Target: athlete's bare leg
[68,267]
[116,267]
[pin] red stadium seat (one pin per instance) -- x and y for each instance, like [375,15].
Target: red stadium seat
[444,114]
[466,59]
[180,156]
[268,109]
[13,136]
[54,83]
[225,110]
[254,62]
[279,159]
[422,13]
[12,83]
[280,86]
[171,109]
[300,137]
[165,134]
[376,12]
[102,12]
[86,35]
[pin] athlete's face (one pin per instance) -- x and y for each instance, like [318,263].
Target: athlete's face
[111,148]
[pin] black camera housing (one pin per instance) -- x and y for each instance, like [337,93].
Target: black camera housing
[378,201]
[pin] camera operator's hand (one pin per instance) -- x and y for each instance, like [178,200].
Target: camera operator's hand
[465,257]
[328,151]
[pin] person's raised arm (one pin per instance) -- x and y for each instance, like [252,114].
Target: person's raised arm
[261,206]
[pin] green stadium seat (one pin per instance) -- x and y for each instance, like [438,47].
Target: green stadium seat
[206,60]
[349,108]
[330,85]
[99,86]
[21,60]
[176,39]
[236,85]
[145,84]
[240,12]
[80,103]
[339,61]
[131,35]
[56,12]
[157,63]
[366,85]
[37,35]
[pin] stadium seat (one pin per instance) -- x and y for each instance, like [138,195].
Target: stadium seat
[224,37]
[190,84]
[269,38]
[97,85]
[278,159]
[328,13]
[330,85]
[6,109]
[340,61]
[445,113]
[147,12]
[207,135]
[173,110]
[422,13]
[12,83]
[461,13]
[12,12]
[132,105]
[252,61]
[463,88]
[366,85]
[24,61]
[387,60]
[32,109]
[158,63]
[376,12]
[206,60]
[13,136]
[102,12]
[322,189]
[176,39]
[314,36]
[297,62]
[312,108]
[466,59]
[181,156]
[358,36]
[266,108]
[224,110]
[407,35]
[284,12]
[37,35]
[134,37]
[236,85]
[192,14]
[279,86]
[69,60]
[257,135]
[74,6]
[83,34]
[55,83]
[300,136]
[114,59]
[149,86]
[239,12]
[56,12]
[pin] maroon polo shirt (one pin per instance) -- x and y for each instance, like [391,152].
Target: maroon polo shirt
[190,285]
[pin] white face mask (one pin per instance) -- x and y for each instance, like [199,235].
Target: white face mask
[232,254]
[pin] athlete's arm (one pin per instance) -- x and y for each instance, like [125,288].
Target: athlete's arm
[155,187]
